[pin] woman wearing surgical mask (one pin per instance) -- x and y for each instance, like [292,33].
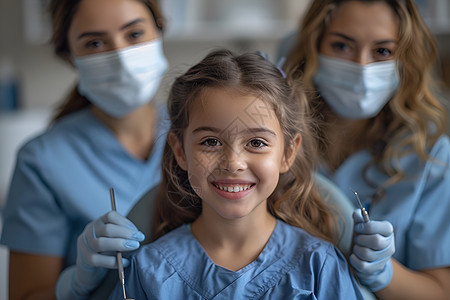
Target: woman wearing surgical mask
[108,133]
[368,65]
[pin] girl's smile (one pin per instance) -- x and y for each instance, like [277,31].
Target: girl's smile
[232,189]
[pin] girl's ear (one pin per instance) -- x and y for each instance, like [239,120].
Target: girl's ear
[290,154]
[178,151]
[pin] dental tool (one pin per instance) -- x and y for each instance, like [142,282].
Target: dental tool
[364,212]
[119,254]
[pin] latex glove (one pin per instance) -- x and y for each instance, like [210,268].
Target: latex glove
[372,251]
[96,253]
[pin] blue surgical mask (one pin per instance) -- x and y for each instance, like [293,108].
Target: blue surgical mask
[354,91]
[119,82]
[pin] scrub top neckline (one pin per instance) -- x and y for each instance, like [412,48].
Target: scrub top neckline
[325,170]
[259,260]
[157,136]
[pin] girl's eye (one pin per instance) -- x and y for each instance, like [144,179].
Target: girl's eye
[255,143]
[211,142]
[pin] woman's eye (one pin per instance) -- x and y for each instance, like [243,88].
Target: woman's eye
[256,143]
[136,34]
[211,142]
[94,44]
[339,46]
[384,52]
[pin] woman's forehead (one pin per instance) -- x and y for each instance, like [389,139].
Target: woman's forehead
[365,20]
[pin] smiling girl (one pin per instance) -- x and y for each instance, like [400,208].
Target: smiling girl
[238,215]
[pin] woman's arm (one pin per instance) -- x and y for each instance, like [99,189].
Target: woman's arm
[33,277]
[408,284]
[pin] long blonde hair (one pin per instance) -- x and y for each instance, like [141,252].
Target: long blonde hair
[295,199]
[414,119]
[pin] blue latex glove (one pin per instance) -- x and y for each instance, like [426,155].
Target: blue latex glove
[96,253]
[372,250]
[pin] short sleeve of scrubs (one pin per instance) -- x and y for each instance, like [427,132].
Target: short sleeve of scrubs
[418,205]
[429,234]
[61,182]
[32,213]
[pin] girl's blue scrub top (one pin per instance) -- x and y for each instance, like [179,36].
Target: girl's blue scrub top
[61,182]
[418,206]
[292,265]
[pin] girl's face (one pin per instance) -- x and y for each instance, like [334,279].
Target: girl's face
[233,152]
[105,25]
[361,32]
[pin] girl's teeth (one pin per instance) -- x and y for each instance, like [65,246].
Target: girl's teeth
[234,189]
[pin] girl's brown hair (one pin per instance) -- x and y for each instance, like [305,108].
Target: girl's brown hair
[414,119]
[62,12]
[295,199]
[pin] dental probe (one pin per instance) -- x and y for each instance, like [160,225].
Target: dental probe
[118,254]
[364,212]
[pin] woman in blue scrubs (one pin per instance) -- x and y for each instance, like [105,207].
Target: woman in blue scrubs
[238,214]
[108,133]
[369,64]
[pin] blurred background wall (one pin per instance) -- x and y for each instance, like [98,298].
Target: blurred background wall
[194,27]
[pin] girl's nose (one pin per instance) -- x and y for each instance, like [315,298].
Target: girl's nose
[233,161]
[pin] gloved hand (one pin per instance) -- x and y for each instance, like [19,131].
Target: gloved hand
[96,252]
[372,250]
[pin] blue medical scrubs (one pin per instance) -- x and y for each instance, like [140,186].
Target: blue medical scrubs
[293,265]
[418,206]
[62,179]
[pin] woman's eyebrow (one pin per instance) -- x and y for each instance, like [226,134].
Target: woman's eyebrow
[346,37]
[392,41]
[129,24]
[91,34]
[103,33]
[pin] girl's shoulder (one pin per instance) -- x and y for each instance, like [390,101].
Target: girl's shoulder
[167,247]
[301,256]
[298,242]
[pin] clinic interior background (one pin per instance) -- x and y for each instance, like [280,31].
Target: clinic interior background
[194,27]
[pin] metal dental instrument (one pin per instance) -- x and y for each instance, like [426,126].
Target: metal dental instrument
[364,212]
[118,254]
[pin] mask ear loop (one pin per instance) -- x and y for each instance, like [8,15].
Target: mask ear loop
[278,65]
